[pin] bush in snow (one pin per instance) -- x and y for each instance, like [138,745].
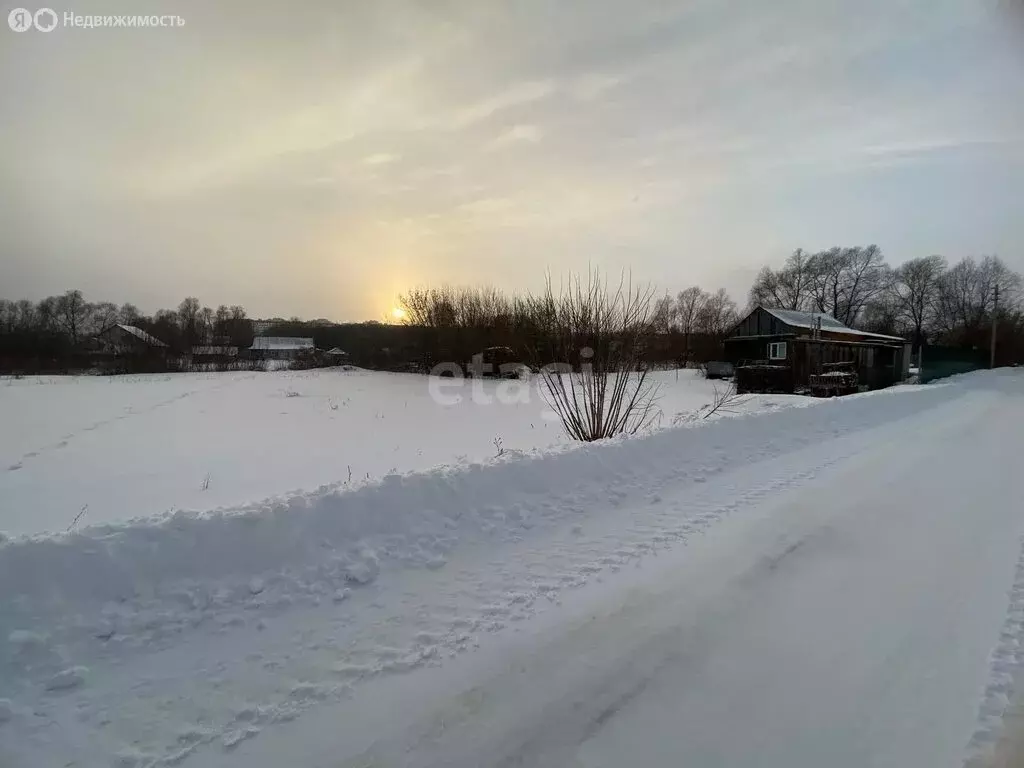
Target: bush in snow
[609,393]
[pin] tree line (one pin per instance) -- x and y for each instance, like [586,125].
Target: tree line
[924,300]
[47,334]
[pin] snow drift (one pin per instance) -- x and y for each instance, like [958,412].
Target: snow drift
[150,579]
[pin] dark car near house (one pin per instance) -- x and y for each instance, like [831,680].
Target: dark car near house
[498,363]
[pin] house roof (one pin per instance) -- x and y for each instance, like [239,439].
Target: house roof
[799,319]
[281,342]
[336,351]
[140,334]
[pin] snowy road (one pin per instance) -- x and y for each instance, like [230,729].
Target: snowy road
[849,595]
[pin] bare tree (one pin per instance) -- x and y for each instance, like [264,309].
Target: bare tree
[188,320]
[787,288]
[128,314]
[47,314]
[72,311]
[206,324]
[882,315]
[20,316]
[966,296]
[689,305]
[610,392]
[663,317]
[914,291]
[844,280]
[717,314]
[102,315]
[963,299]
[449,306]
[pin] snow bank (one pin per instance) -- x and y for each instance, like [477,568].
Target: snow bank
[109,449]
[143,582]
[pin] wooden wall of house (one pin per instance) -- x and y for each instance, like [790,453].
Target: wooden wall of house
[765,378]
[761,323]
[738,350]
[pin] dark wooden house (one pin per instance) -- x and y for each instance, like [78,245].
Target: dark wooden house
[127,349]
[782,350]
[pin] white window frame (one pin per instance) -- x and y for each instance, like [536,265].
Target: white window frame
[777,350]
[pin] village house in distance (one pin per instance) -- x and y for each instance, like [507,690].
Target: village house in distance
[788,351]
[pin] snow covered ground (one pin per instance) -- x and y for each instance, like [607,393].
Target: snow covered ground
[132,446]
[835,585]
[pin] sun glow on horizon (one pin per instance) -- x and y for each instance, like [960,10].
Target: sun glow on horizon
[398,314]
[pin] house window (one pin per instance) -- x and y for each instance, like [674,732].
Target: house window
[777,350]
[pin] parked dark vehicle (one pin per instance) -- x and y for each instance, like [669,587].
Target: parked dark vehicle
[717,369]
[498,363]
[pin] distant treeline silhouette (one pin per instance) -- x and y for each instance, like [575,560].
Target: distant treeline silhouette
[923,300]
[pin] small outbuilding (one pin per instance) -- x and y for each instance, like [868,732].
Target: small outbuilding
[127,339]
[126,348]
[782,350]
[280,347]
[214,353]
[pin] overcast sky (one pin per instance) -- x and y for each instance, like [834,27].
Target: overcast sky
[316,158]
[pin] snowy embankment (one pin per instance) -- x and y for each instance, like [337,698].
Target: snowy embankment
[146,580]
[109,449]
[797,545]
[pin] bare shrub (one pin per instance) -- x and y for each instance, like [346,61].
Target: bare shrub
[610,391]
[725,400]
[78,517]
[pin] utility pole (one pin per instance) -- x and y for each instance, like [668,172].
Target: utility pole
[992,344]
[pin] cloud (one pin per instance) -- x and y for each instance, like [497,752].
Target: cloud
[487,205]
[381,158]
[459,134]
[593,86]
[518,95]
[517,134]
[943,144]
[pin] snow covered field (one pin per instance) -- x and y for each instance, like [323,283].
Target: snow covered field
[836,585]
[134,446]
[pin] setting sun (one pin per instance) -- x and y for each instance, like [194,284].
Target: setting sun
[397,313]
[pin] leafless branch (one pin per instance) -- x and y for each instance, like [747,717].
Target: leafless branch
[724,401]
[608,391]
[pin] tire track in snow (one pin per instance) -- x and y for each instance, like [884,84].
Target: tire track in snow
[400,640]
[1004,687]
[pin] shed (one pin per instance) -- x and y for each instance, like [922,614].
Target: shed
[126,348]
[796,348]
[212,353]
[121,339]
[280,347]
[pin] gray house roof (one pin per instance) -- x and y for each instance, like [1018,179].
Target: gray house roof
[140,334]
[799,319]
[266,343]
